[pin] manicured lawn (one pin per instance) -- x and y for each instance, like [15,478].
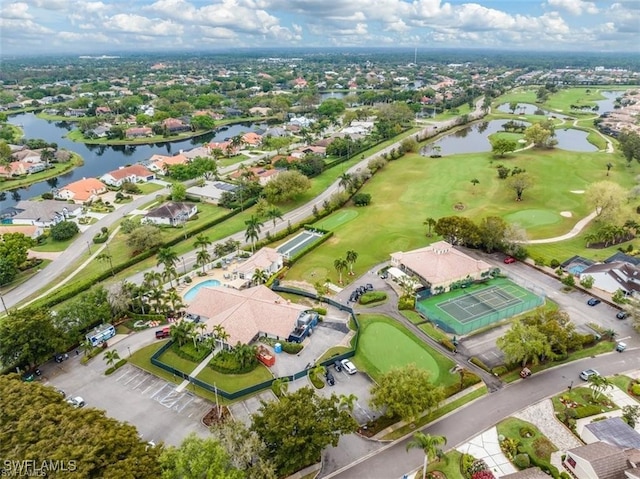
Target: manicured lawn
[531,440]
[57,170]
[50,245]
[385,344]
[142,359]
[331,352]
[170,358]
[147,188]
[235,382]
[449,465]
[232,160]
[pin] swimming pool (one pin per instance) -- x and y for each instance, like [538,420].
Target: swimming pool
[191,294]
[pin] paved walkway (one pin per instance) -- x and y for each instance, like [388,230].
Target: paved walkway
[574,231]
[196,371]
[486,447]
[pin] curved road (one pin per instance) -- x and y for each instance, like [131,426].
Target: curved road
[391,461]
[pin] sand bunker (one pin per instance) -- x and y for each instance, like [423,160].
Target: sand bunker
[577,192]
[566,214]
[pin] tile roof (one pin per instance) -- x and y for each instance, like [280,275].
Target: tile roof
[262,259]
[137,170]
[244,314]
[86,188]
[608,462]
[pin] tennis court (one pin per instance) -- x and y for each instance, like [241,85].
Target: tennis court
[467,309]
[299,242]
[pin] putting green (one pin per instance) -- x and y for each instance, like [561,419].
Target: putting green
[339,218]
[531,218]
[386,347]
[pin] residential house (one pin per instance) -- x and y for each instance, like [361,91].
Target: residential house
[175,125]
[100,131]
[224,146]
[613,276]
[43,213]
[202,151]
[87,189]
[75,112]
[245,315]
[309,150]
[301,121]
[131,174]
[30,231]
[252,139]
[529,473]
[439,264]
[15,168]
[613,431]
[160,163]
[138,132]
[211,191]
[28,156]
[232,112]
[263,175]
[600,460]
[276,132]
[300,83]
[260,111]
[171,214]
[103,110]
[266,259]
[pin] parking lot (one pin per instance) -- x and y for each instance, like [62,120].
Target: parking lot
[131,395]
[243,410]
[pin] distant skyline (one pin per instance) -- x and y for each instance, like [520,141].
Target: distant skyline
[33,27]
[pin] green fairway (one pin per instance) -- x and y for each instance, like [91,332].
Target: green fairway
[385,344]
[531,218]
[339,218]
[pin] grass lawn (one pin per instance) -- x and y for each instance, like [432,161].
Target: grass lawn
[170,358]
[385,344]
[232,160]
[530,439]
[449,465]
[147,188]
[142,359]
[51,245]
[23,276]
[235,382]
[332,352]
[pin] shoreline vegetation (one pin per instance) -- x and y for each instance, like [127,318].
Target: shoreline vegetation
[56,170]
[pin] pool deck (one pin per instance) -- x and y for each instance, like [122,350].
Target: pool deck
[214,273]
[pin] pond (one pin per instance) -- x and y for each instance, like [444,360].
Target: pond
[98,159]
[528,109]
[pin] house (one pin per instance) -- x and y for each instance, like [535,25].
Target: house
[224,146]
[263,175]
[309,150]
[138,132]
[211,191]
[30,231]
[276,132]
[439,265]
[87,189]
[202,151]
[301,121]
[103,110]
[613,431]
[252,139]
[530,473]
[245,315]
[43,213]
[259,111]
[600,460]
[99,131]
[171,214]
[131,174]
[265,259]
[613,276]
[174,125]
[299,83]
[27,155]
[15,168]
[160,163]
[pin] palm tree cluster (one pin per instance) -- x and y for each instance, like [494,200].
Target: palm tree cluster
[342,264]
[184,331]
[151,297]
[610,234]
[202,256]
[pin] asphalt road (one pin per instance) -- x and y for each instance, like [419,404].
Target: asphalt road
[392,461]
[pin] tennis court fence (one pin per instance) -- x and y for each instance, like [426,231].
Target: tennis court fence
[453,326]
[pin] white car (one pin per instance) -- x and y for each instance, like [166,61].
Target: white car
[587,373]
[348,366]
[76,401]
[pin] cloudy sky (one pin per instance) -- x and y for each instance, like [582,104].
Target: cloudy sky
[99,27]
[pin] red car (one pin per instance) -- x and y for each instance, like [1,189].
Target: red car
[509,260]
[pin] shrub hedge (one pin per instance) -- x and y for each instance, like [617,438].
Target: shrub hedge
[227,362]
[372,297]
[115,367]
[448,344]
[189,352]
[478,362]
[587,410]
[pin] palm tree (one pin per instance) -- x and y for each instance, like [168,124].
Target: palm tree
[175,300]
[475,181]
[111,357]
[347,402]
[340,265]
[609,166]
[280,386]
[599,384]
[260,276]
[352,256]
[236,142]
[169,273]
[106,257]
[429,444]
[253,231]
[168,258]
[220,334]
[202,258]
[179,332]
[156,295]
[345,181]
[152,279]
[316,372]
[429,223]
[202,241]
[87,346]
[273,213]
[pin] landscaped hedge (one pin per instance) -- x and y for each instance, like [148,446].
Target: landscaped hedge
[189,352]
[115,367]
[100,238]
[226,362]
[291,348]
[372,297]
[500,370]
[320,311]
[448,344]
[478,362]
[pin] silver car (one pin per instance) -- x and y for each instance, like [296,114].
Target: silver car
[587,373]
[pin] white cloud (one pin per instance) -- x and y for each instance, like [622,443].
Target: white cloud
[575,7]
[16,10]
[131,23]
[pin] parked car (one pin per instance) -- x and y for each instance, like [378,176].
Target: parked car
[30,376]
[59,357]
[163,333]
[587,373]
[622,315]
[337,365]
[76,401]
[329,377]
[593,301]
[368,287]
[621,347]
[509,260]
[349,367]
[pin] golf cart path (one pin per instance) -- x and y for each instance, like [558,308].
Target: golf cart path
[574,231]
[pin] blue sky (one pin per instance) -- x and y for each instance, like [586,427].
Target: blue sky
[104,26]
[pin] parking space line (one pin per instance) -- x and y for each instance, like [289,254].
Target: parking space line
[158,391]
[180,408]
[125,374]
[133,378]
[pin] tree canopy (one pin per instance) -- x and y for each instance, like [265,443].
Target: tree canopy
[607,199]
[405,393]
[37,424]
[285,186]
[524,343]
[14,249]
[299,426]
